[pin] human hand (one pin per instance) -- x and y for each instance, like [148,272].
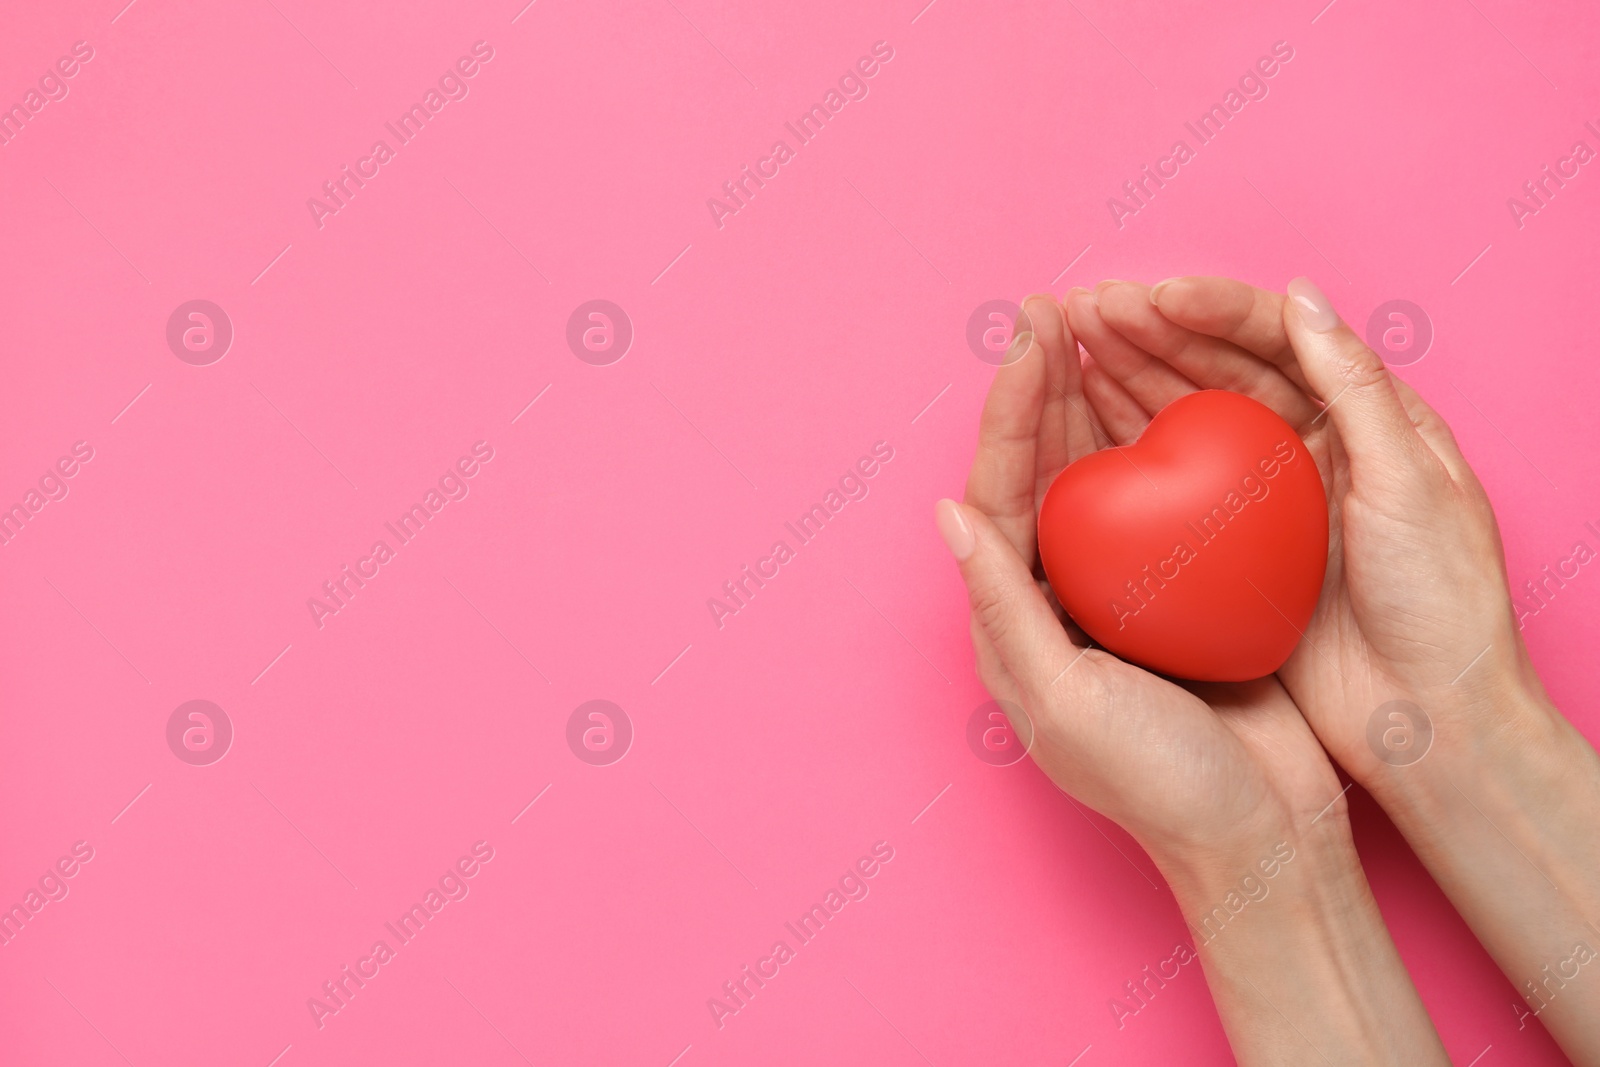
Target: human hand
[1414,604]
[1415,608]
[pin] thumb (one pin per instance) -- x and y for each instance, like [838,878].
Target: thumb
[1006,603]
[1354,384]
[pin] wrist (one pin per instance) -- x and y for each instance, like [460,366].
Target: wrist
[1296,952]
[1276,877]
[1503,739]
[1504,803]
[1502,813]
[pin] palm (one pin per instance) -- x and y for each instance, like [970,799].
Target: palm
[1207,759]
[1379,632]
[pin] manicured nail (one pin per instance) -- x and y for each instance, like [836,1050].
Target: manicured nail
[1316,310]
[955,529]
[1076,289]
[1019,348]
[1155,290]
[1108,281]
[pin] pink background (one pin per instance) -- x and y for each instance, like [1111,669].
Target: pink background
[769,355]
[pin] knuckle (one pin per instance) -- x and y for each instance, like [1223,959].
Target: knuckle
[1358,366]
[1436,426]
[992,606]
[1429,423]
[1004,439]
[1257,306]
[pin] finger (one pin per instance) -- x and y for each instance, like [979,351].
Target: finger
[991,670]
[1356,389]
[1209,362]
[1101,439]
[1001,482]
[1007,604]
[1237,313]
[1147,379]
[1065,432]
[1436,433]
[1121,415]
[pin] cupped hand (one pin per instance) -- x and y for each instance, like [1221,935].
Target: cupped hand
[1414,605]
[1198,773]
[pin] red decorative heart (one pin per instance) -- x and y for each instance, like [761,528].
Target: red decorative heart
[1197,551]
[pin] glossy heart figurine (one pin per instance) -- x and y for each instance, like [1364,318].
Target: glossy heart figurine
[1197,551]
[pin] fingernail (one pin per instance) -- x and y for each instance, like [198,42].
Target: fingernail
[1077,289]
[1108,281]
[955,529]
[1019,348]
[1024,323]
[1316,310]
[1077,298]
[1155,290]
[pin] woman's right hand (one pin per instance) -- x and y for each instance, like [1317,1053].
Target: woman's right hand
[1414,605]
